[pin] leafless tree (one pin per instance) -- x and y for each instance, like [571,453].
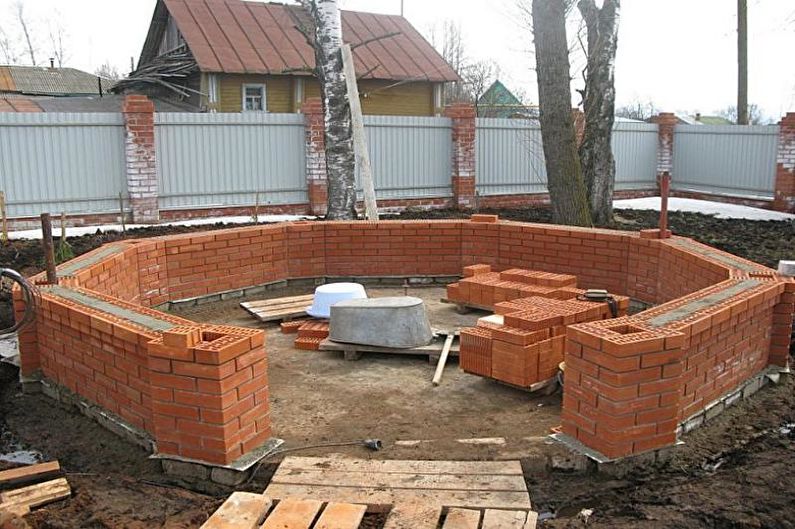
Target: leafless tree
[478,77]
[755,115]
[108,71]
[340,158]
[58,37]
[596,154]
[24,25]
[8,53]
[640,110]
[564,173]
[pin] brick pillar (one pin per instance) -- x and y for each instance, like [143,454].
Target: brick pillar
[665,142]
[579,124]
[316,175]
[29,360]
[463,177]
[781,332]
[785,165]
[622,385]
[139,139]
[209,392]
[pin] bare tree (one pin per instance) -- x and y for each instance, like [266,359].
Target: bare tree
[596,154]
[340,159]
[24,25]
[564,174]
[8,53]
[108,71]
[742,62]
[755,115]
[639,110]
[57,41]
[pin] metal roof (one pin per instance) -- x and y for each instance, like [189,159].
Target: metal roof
[39,80]
[236,36]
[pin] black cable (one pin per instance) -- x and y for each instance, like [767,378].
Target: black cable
[30,296]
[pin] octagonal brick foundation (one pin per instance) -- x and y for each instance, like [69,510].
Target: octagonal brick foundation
[201,391]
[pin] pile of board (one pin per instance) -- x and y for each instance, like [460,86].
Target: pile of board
[482,288]
[310,333]
[524,342]
[25,488]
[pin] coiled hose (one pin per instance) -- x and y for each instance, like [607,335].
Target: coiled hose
[30,295]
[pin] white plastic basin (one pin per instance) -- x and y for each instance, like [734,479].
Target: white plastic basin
[328,295]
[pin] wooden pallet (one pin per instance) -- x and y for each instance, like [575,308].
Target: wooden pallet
[278,309]
[380,485]
[466,308]
[355,351]
[244,510]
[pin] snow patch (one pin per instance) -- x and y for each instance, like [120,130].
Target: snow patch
[720,210]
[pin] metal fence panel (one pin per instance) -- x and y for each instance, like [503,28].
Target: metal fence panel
[411,156]
[207,160]
[635,151]
[735,160]
[61,162]
[509,157]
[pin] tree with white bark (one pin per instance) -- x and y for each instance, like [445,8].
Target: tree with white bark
[340,158]
[596,154]
[24,25]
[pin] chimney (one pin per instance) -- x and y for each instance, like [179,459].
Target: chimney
[698,116]
[52,62]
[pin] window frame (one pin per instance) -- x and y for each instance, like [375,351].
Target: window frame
[260,86]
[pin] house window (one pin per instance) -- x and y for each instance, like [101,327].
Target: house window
[254,98]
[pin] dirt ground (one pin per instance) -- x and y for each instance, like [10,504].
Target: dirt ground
[734,473]
[390,397]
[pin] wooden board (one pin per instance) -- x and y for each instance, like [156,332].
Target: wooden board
[293,513]
[16,477]
[278,309]
[493,519]
[413,516]
[242,510]
[433,349]
[341,516]
[35,495]
[462,519]
[380,484]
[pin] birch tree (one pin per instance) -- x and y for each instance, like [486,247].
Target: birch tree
[596,155]
[340,159]
[24,25]
[564,174]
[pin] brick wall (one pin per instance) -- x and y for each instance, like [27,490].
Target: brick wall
[141,166]
[201,391]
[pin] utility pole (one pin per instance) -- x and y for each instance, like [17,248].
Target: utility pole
[401,7]
[742,62]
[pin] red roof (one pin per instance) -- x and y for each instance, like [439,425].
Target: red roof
[237,36]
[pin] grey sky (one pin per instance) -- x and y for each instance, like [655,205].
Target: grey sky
[679,54]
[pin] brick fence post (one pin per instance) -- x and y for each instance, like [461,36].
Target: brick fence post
[579,124]
[785,165]
[463,174]
[316,175]
[139,143]
[666,122]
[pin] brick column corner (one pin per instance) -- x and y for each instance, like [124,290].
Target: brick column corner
[463,174]
[209,392]
[578,117]
[316,174]
[666,122]
[784,199]
[139,142]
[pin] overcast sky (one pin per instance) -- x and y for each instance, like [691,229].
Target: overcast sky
[679,54]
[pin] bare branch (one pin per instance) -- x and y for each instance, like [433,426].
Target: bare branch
[19,7]
[375,39]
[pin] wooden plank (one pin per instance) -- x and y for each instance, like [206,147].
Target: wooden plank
[29,474]
[532,520]
[462,519]
[402,466]
[448,343]
[413,516]
[433,348]
[494,519]
[376,498]
[279,302]
[242,510]
[36,495]
[293,513]
[341,516]
[393,480]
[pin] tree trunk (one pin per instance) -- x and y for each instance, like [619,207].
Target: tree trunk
[340,161]
[564,175]
[742,62]
[596,154]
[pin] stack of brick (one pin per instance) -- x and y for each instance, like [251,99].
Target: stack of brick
[481,287]
[529,346]
[310,335]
